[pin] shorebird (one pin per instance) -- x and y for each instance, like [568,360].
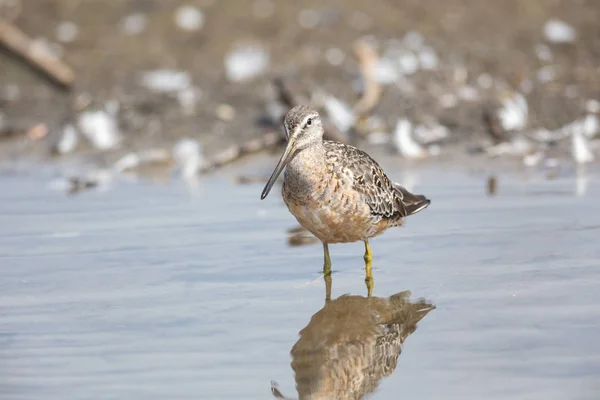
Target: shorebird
[336,191]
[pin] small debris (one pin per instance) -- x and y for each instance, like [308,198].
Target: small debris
[378,138]
[134,24]
[592,106]
[77,184]
[335,56]
[485,81]
[189,18]
[413,40]
[68,140]
[518,146]
[405,143]
[67,32]
[100,129]
[514,112]
[448,100]
[432,132]
[533,159]
[188,98]
[546,74]
[339,113]
[408,62]
[133,160]
[428,59]
[166,80]
[492,184]
[225,112]
[249,180]
[558,31]
[493,127]
[580,148]
[468,93]
[385,71]
[37,132]
[246,62]
[188,155]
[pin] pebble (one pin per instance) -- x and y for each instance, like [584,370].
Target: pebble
[189,18]
[405,143]
[100,128]
[408,62]
[428,59]
[246,62]
[67,32]
[340,113]
[485,81]
[308,18]
[225,112]
[580,148]
[378,138]
[68,140]
[546,74]
[335,56]
[514,112]
[413,40]
[592,106]
[188,155]
[188,98]
[558,31]
[134,24]
[166,80]
[384,71]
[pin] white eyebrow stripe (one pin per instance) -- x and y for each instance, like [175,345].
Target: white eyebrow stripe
[309,116]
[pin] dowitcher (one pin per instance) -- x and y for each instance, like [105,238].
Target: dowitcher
[336,191]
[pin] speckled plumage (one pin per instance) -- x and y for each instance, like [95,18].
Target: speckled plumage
[339,193]
[336,191]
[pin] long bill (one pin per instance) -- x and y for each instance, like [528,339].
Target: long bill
[288,154]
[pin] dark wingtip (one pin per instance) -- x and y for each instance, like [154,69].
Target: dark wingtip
[417,206]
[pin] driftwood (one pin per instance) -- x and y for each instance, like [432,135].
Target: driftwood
[367,57]
[19,43]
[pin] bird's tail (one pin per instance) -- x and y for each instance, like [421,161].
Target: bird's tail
[413,203]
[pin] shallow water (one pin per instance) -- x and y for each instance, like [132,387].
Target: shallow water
[150,292]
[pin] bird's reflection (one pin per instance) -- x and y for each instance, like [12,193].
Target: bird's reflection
[351,344]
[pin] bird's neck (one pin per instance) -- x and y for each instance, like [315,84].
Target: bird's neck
[306,171]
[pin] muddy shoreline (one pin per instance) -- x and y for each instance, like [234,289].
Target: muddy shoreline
[472,82]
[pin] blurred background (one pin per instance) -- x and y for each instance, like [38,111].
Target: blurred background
[132,75]
[193,288]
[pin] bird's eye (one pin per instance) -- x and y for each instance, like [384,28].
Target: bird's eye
[309,122]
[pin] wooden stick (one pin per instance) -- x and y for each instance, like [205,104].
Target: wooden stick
[367,57]
[18,42]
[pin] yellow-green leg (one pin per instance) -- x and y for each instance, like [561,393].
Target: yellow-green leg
[369,269]
[327,271]
[327,260]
